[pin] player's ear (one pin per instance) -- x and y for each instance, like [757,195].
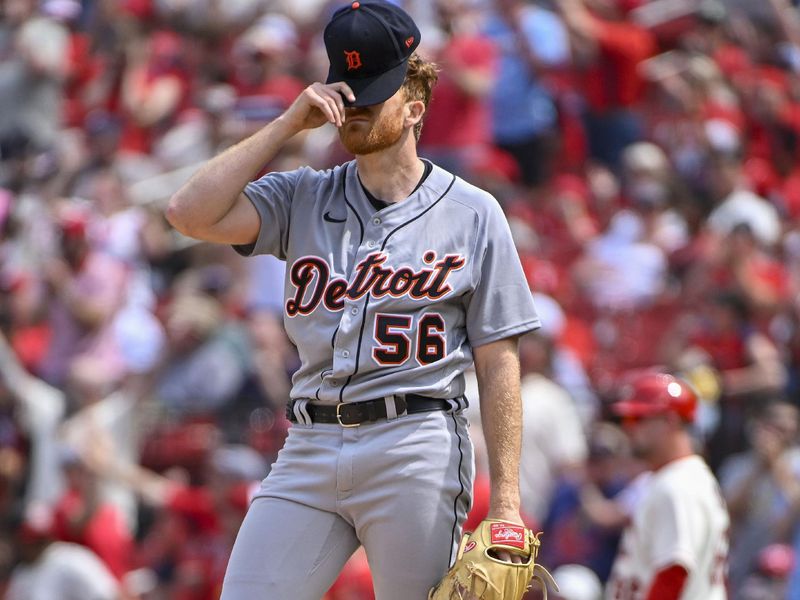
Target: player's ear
[414,110]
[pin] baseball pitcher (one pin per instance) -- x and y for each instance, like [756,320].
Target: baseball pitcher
[399,275]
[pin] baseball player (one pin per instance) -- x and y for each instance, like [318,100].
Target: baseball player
[676,545]
[398,276]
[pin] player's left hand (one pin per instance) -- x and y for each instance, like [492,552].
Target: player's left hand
[479,571]
[509,516]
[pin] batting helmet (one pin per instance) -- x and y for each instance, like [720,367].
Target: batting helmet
[650,394]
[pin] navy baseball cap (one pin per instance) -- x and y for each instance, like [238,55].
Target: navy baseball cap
[368,45]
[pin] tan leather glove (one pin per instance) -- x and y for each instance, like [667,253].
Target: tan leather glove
[478,575]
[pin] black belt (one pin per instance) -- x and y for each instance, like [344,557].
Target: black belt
[353,414]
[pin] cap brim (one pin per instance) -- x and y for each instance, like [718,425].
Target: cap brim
[373,90]
[635,409]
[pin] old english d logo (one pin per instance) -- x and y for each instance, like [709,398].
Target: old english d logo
[353,60]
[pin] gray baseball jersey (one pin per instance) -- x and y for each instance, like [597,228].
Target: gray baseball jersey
[378,303]
[389,302]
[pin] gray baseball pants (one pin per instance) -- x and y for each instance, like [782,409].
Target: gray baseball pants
[402,488]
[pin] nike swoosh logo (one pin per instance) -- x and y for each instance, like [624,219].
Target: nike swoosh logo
[327,216]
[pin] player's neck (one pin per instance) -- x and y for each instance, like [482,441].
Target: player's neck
[392,174]
[680,448]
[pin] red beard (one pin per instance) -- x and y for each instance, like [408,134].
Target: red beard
[365,137]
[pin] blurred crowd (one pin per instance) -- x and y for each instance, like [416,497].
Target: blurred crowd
[647,156]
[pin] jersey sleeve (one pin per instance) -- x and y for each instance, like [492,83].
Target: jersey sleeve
[501,304]
[272,197]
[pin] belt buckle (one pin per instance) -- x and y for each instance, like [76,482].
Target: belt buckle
[339,417]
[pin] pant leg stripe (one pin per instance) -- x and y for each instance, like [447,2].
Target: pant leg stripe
[460,493]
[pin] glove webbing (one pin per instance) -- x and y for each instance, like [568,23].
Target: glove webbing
[477,573]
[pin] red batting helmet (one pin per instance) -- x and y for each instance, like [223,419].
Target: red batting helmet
[650,394]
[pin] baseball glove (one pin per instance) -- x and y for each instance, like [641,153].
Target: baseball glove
[477,575]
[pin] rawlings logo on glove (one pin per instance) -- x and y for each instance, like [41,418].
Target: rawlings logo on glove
[510,535]
[481,576]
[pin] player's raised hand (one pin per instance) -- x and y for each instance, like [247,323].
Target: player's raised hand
[318,104]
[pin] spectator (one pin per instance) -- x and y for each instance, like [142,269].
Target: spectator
[747,361]
[621,270]
[568,369]
[201,132]
[586,518]
[199,344]
[31,78]
[83,65]
[114,422]
[775,563]
[262,80]
[467,62]
[39,409]
[29,331]
[649,186]
[736,204]
[609,50]
[155,88]
[198,521]
[760,486]
[740,264]
[88,288]
[272,357]
[82,517]
[550,453]
[51,569]
[531,41]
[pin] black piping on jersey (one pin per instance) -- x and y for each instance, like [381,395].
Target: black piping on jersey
[322,374]
[367,296]
[288,227]
[360,240]
[396,229]
[285,243]
[322,378]
[350,206]
[460,482]
[379,204]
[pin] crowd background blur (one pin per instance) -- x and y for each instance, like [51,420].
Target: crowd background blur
[647,156]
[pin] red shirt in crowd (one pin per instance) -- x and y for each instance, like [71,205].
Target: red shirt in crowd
[613,81]
[727,350]
[104,531]
[473,125]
